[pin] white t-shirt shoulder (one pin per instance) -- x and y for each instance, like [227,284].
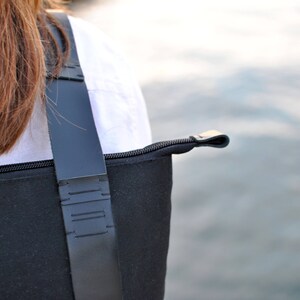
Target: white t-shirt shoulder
[117,103]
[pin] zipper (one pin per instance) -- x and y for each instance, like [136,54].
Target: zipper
[210,138]
[148,149]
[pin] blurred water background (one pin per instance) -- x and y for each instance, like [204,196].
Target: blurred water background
[234,66]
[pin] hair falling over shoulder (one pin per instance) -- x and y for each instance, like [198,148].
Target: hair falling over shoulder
[24,43]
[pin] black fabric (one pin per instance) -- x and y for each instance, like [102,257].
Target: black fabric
[141,206]
[33,255]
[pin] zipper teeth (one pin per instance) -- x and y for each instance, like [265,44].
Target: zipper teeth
[148,149]
[24,166]
[50,163]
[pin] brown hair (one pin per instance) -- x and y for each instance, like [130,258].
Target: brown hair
[24,42]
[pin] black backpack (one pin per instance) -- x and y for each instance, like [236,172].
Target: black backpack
[87,226]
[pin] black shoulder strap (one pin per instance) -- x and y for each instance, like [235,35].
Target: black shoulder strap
[83,183]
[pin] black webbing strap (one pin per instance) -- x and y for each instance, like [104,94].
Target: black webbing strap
[83,183]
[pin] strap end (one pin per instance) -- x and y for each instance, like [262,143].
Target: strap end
[212,138]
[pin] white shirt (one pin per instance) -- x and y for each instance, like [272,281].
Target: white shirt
[117,103]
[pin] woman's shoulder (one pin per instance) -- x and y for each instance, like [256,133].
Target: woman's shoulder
[118,106]
[117,103]
[104,66]
[97,52]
